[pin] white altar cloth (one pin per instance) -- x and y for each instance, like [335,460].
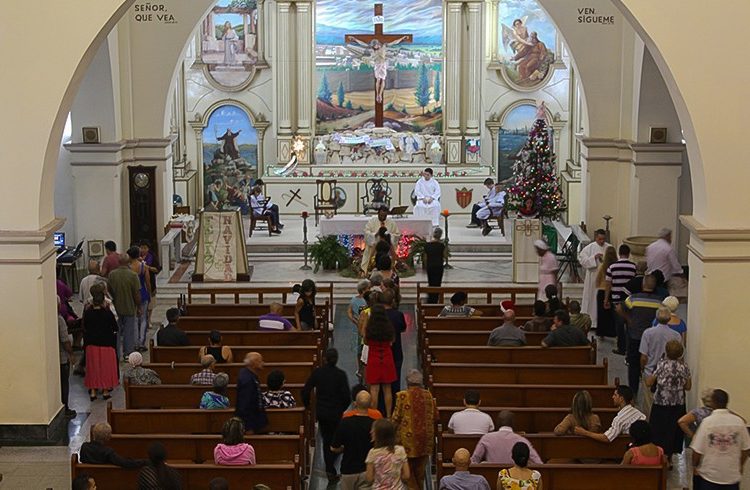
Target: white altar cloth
[355,225]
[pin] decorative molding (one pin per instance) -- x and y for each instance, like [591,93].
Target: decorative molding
[31,237]
[707,234]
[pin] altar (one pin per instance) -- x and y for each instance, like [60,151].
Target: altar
[355,225]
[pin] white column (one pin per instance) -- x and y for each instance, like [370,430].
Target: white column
[473,69]
[655,187]
[283,75]
[304,65]
[452,48]
[30,407]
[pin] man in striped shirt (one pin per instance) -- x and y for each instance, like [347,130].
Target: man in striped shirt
[639,311]
[623,399]
[617,277]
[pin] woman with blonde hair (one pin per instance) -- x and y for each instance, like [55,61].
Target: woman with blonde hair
[580,415]
[605,317]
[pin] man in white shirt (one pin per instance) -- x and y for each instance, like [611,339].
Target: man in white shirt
[471,420]
[493,207]
[622,398]
[490,185]
[660,255]
[427,191]
[94,277]
[720,447]
[590,258]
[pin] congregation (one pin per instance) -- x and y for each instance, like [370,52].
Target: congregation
[383,435]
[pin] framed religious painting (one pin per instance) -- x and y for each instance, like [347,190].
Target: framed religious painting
[527,44]
[379,65]
[230,159]
[230,43]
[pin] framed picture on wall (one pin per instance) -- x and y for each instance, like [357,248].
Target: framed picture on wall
[95,248]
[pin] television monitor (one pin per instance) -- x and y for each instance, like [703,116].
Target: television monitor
[59,239]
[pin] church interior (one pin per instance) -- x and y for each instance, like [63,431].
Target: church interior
[246,146]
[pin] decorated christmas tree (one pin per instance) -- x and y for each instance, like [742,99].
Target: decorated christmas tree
[535,191]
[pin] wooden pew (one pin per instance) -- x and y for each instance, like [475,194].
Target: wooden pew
[485,323]
[580,476]
[179,373]
[520,295]
[183,395]
[509,395]
[195,421]
[526,310]
[270,353]
[549,446]
[197,476]
[262,295]
[228,323]
[529,419]
[199,449]
[475,338]
[257,338]
[545,374]
[243,309]
[512,355]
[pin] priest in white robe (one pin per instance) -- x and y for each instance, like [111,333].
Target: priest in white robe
[372,227]
[427,191]
[590,259]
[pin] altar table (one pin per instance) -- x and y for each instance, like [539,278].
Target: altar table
[355,225]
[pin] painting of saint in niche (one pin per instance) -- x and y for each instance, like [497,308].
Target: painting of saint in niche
[230,159]
[229,41]
[527,43]
[513,136]
[403,71]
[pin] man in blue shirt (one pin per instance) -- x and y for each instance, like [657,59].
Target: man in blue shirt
[461,479]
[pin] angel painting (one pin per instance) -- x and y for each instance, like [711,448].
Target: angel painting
[527,58]
[378,57]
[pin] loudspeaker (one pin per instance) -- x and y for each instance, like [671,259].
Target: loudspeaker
[90,134]
[657,135]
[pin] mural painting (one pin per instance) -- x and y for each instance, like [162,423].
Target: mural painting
[230,159]
[229,41]
[513,135]
[527,43]
[405,76]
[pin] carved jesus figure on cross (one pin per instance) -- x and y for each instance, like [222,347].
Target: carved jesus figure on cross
[379,44]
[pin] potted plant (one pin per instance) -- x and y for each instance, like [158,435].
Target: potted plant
[329,254]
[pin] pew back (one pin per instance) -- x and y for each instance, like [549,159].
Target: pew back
[580,476]
[270,353]
[476,338]
[257,338]
[546,374]
[529,419]
[521,395]
[512,355]
[294,372]
[183,395]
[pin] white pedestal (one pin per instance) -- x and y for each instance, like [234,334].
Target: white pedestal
[525,259]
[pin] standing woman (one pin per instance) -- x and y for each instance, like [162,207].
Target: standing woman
[434,261]
[381,369]
[139,267]
[672,378]
[304,310]
[100,339]
[605,317]
[386,462]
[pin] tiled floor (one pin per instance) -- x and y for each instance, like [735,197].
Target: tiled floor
[48,467]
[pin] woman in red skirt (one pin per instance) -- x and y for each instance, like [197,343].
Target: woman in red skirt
[100,338]
[381,370]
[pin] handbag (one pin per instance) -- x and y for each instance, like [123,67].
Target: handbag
[365,353]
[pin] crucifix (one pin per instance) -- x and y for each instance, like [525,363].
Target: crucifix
[379,44]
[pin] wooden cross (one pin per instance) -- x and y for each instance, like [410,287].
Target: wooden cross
[384,40]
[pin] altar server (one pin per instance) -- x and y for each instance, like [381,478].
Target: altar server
[496,201]
[372,228]
[490,185]
[590,259]
[427,191]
